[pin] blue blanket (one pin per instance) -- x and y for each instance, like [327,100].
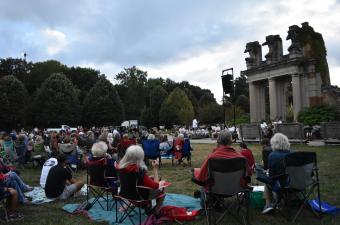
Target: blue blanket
[98,214]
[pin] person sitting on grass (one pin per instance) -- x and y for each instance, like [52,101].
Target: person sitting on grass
[276,171]
[133,162]
[59,182]
[11,197]
[11,179]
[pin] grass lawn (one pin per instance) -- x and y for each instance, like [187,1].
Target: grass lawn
[179,176]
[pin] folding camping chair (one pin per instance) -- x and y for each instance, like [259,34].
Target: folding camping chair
[134,198]
[302,170]
[166,153]
[99,185]
[3,205]
[151,149]
[225,176]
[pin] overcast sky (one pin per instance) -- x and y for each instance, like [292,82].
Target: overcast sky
[189,40]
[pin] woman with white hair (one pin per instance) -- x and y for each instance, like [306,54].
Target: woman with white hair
[277,178]
[133,162]
[99,156]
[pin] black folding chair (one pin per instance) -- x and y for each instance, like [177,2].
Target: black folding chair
[3,205]
[99,185]
[225,181]
[302,170]
[133,198]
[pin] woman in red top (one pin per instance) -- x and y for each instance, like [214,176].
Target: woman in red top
[178,148]
[123,144]
[248,154]
[133,162]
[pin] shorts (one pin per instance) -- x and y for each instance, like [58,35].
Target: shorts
[69,190]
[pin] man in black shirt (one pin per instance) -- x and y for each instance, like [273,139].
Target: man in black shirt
[59,182]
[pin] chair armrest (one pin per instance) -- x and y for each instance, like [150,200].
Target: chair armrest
[111,178]
[145,188]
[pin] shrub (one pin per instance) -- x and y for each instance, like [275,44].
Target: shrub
[316,115]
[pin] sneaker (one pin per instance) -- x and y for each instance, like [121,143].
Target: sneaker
[268,209]
[15,217]
[29,188]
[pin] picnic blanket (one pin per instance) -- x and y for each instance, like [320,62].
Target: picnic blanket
[98,214]
[38,195]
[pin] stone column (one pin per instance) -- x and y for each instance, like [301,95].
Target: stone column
[296,94]
[261,101]
[257,102]
[252,102]
[281,97]
[272,98]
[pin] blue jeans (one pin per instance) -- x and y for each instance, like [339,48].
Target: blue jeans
[14,181]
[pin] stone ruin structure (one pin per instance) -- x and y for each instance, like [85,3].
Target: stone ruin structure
[304,69]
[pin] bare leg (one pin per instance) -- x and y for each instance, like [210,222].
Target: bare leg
[79,184]
[267,194]
[12,202]
[159,202]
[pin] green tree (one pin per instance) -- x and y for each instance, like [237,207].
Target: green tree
[83,79]
[56,102]
[147,118]
[157,97]
[242,101]
[102,105]
[41,71]
[206,99]
[211,113]
[13,95]
[132,90]
[193,100]
[176,109]
[316,115]
[16,67]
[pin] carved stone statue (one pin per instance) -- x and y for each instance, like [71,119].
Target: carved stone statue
[275,53]
[255,54]
[295,48]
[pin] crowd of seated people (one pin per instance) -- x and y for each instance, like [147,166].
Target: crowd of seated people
[122,153]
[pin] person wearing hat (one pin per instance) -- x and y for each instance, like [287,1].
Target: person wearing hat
[67,147]
[59,182]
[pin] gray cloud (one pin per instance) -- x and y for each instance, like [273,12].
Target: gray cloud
[157,34]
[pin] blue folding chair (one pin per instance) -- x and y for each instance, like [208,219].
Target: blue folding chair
[151,149]
[166,152]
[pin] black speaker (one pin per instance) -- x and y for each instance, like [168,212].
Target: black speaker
[228,83]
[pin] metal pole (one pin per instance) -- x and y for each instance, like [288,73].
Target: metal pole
[235,133]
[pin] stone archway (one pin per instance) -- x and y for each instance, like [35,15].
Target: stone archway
[296,69]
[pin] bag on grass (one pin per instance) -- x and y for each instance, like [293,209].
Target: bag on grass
[179,213]
[325,207]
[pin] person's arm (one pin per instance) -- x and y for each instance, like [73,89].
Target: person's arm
[155,166]
[203,172]
[150,183]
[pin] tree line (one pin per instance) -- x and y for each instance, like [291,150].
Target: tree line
[48,94]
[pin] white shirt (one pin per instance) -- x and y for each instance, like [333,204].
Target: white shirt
[46,168]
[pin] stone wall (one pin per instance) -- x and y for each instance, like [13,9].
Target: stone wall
[293,131]
[250,131]
[330,130]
